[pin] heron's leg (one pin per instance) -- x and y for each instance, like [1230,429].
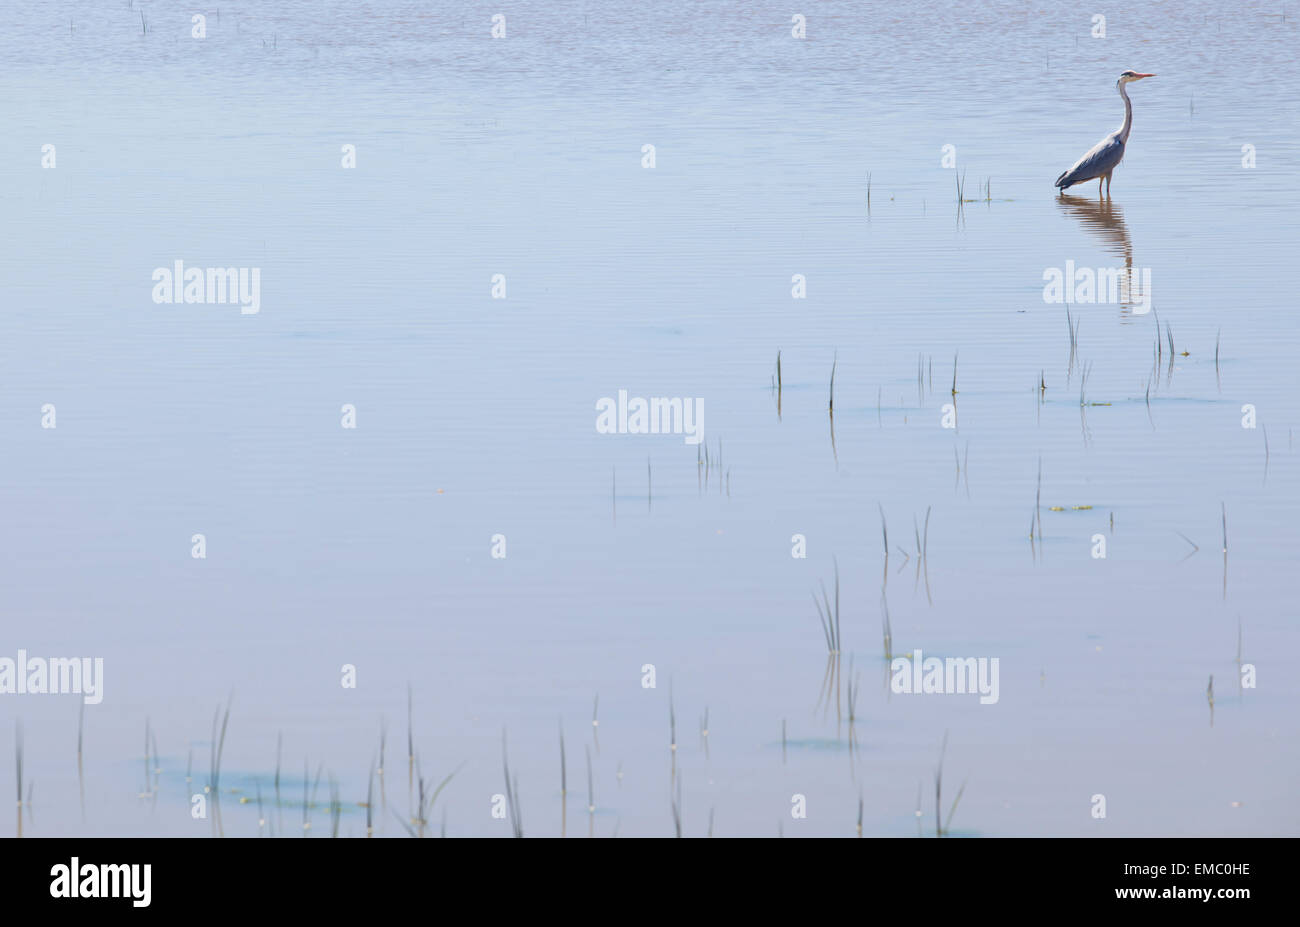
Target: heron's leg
[1108,184]
[1099,180]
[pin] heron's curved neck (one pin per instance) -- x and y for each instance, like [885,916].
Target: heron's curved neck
[1128,115]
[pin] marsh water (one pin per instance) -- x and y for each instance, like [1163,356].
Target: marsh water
[475,416]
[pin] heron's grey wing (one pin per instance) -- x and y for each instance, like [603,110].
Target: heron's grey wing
[1098,162]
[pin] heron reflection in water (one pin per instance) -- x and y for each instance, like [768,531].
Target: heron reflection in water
[1105,220]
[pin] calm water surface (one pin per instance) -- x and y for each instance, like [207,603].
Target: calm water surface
[475,416]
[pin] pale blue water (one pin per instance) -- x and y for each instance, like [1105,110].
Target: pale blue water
[522,156]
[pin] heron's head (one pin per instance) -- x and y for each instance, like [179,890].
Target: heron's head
[1129,76]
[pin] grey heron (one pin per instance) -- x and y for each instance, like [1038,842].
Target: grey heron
[1102,159]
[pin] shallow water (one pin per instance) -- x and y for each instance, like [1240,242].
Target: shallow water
[522,156]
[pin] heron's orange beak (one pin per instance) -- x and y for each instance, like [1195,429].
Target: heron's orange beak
[1140,76]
